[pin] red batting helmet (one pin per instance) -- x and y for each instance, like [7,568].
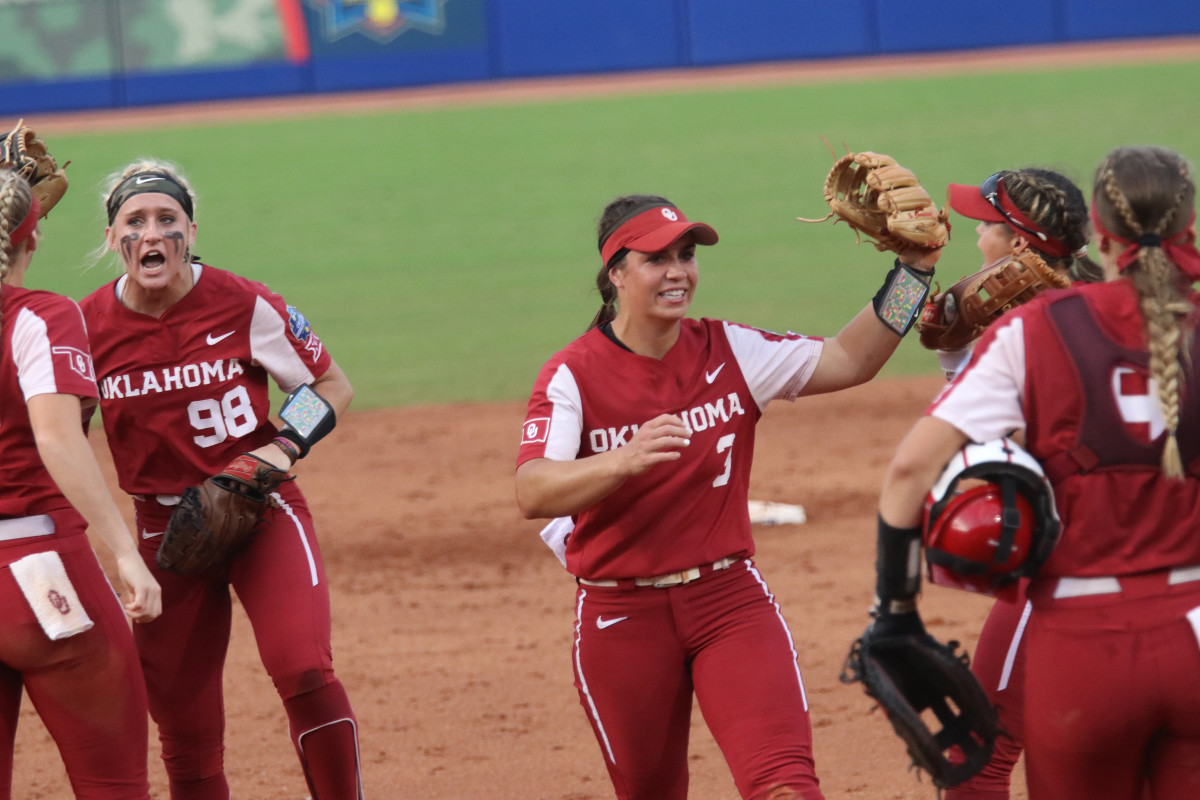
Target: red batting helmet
[989,520]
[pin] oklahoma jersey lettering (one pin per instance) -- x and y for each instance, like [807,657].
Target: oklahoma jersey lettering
[1084,397]
[592,396]
[183,395]
[44,333]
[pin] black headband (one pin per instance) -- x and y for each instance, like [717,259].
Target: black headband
[144,183]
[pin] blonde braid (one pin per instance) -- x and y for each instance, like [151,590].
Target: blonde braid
[1163,305]
[8,219]
[15,201]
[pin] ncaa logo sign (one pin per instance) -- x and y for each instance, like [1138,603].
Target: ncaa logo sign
[381,20]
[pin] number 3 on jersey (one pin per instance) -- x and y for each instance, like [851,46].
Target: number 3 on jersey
[233,415]
[723,444]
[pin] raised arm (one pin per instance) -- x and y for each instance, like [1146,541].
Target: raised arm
[865,344]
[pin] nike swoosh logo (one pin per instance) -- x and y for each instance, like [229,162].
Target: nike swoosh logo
[603,623]
[214,339]
[146,179]
[712,376]
[148,535]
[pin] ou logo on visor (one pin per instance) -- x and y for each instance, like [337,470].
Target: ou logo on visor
[670,214]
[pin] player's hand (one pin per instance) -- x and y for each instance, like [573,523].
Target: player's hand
[145,595]
[921,258]
[656,441]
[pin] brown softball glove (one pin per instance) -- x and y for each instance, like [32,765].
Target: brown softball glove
[217,518]
[885,202]
[958,316]
[23,152]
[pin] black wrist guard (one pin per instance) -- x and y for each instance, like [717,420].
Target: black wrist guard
[897,567]
[901,298]
[308,418]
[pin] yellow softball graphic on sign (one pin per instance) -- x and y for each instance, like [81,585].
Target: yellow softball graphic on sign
[381,20]
[382,12]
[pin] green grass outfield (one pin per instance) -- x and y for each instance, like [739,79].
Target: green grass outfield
[445,254]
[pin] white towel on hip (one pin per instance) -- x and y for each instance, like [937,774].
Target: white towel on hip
[555,536]
[44,582]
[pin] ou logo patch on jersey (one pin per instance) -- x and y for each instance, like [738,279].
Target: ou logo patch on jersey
[80,361]
[1136,395]
[670,214]
[535,431]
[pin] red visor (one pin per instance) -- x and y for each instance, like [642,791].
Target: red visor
[27,226]
[653,230]
[991,203]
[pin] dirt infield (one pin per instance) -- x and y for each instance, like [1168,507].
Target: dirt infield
[453,623]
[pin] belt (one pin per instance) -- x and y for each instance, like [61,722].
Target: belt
[670,579]
[1084,587]
[25,527]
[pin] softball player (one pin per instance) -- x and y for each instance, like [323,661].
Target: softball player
[64,638]
[183,355]
[1101,380]
[1016,209]
[642,430]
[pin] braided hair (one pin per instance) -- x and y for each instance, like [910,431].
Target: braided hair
[16,198]
[1150,190]
[1057,206]
[613,213]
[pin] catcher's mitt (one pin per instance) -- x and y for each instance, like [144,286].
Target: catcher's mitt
[909,672]
[23,152]
[958,316]
[213,520]
[884,201]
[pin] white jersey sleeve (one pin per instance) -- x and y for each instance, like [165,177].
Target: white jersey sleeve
[985,400]
[566,422]
[775,366]
[50,351]
[272,349]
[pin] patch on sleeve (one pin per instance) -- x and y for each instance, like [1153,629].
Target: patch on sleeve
[303,333]
[536,431]
[298,324]
[80,361]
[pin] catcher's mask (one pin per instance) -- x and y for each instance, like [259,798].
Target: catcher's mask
[989,520]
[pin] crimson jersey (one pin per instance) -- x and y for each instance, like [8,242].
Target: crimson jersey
[1070,370]
[592,396]
[45,352]
[183,395]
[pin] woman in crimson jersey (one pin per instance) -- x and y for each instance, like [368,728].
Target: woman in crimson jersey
[642,430]
[184,354]
[1016,210]
[64,638]
[1101,380]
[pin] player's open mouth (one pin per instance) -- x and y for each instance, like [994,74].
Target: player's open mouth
[673,294]
[153,260]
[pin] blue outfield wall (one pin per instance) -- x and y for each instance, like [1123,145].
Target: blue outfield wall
[310,46]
